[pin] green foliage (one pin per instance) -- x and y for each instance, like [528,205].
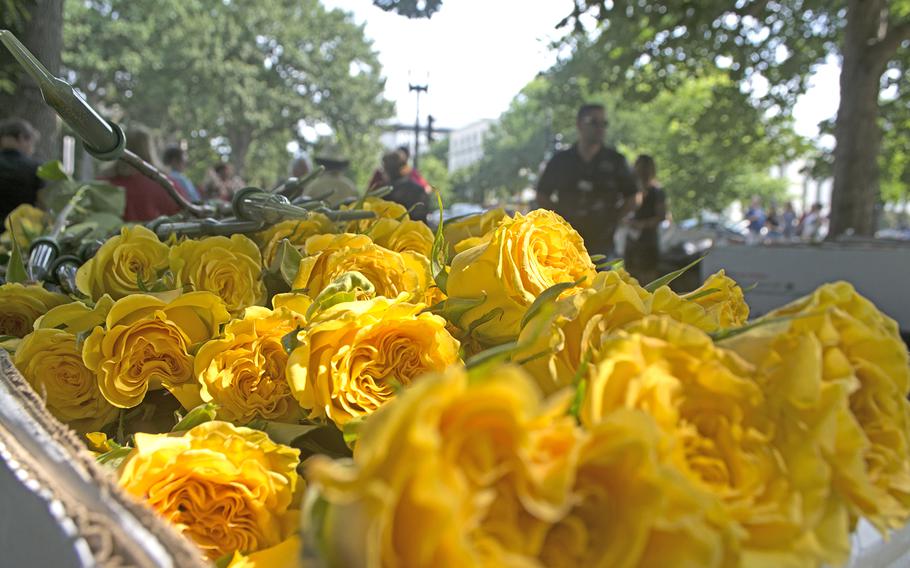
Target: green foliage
[238,78]
[436,172]
[410,8]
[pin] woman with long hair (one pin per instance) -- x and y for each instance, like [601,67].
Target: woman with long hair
[145,199]
[643,244]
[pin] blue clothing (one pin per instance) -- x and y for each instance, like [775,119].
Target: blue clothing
[187,186]
[756,218]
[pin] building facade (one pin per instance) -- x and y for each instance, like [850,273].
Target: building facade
[466,144]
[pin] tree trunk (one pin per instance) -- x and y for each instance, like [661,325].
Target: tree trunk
[42,34]
[856,190]
[240,147]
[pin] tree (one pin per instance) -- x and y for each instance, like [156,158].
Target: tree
[780,39]
[711,144]
[243,76]
[39,26]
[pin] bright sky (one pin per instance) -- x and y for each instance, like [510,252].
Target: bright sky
[476,55]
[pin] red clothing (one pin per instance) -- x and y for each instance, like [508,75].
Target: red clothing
[145,199]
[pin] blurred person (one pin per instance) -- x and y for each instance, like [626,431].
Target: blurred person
[145,199]
[812,223]
[788,221]
[222,183]
[175,161]
[643,245]
[333,186]
[589,184]
[19,182]
[412,172]
[405,190]
[301,167]
[756,216]
[773,221]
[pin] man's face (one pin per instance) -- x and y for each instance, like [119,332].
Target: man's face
[25,146]
[592,127]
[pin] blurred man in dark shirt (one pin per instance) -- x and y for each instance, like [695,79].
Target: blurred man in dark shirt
[19,182]
[590,185]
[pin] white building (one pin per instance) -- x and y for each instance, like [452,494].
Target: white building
[466,144]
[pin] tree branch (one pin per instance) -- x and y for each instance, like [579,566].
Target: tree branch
[882,50]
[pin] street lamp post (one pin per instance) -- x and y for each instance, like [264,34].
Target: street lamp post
[418,89]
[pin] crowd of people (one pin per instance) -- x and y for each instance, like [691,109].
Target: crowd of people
[773,223]
[589,184]
[146,199]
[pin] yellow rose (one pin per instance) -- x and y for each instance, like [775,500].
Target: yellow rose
[705,399]
[244,371]
[405,500]
[147,344]
[839,370]
[402,236]
[52,364]
[26,222]
[390,272]
[555,341]
[297,303]
[717,304]
[383,210]
[473,227]
[466,244]
[297,231]
[284,555]
[229,267]
[354,356]
[134,256]
[22,304]
[481,471]
[631,509]
[226,488]
[523,257]
[76,317]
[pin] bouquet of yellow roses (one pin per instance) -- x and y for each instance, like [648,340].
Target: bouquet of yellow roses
[486,395]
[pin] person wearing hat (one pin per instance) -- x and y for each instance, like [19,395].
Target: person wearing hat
[332,186]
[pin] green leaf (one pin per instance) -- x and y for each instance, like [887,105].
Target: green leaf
[667,278]
[289,341]
[114,457]
[727,333]
[596,258]
[581,386]
[287,261]
[487,317]
[280,275]
[52,171]
[701,294]
[287,433]
[453,309]
[351,431]
[493,354]
[614,264]
[324,439]
[547,296]
[15,269]
[205,412]
[343,289]
[439,252]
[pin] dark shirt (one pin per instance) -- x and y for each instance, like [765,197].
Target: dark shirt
[413,196]
[653,198]
[589,193]
[18,181]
